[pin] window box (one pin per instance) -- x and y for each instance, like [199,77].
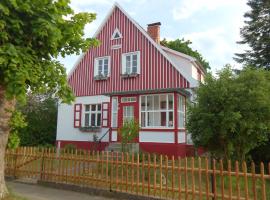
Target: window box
[100,77]
[129,75]
[90,129]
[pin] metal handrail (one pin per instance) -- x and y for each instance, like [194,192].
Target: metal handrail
[104,135]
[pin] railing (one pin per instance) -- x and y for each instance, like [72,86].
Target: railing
[100,139]
[142,174]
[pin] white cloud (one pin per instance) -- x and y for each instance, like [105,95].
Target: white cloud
[187,8]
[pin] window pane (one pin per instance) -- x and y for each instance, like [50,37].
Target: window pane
[93,119]
[106,61]
[100,62]
[99,107]
[149,102]
[134,69]
[170,99]
[143,104]
[181,121]
[163,116]
[87,107]
[114,104]
[181,103]
[114,120]
[156,119]
[156,102]
[170,123]
[106,70]
[163,102]
[150,119]
[143,119]
[128,64]
[86,120]
[98,119]
[93,107]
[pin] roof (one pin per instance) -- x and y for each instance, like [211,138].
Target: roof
[160,48]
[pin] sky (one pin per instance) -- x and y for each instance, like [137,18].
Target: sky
[213,26]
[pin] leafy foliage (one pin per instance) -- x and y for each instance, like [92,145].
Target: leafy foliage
[182,46]
[256,35]
[40,113]
[129,131]
[232,113]
[32,35]
[16,123]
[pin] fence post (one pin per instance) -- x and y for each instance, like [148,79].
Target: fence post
[15,162]
[42,166]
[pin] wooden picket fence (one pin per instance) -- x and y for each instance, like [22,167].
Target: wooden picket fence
[142,174]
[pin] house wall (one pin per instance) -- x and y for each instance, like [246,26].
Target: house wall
[156,72]
[65,121]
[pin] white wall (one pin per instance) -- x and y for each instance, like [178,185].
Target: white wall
[155,136]
[181,137]
[65,120]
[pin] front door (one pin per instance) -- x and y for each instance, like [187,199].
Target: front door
[128,111]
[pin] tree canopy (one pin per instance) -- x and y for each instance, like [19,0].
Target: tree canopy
[32,35]
[182,46]
[232,113]
[256,34]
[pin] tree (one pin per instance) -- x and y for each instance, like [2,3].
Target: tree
[232,113]
[182,46]
[256,35]
[32,35]
[40,114]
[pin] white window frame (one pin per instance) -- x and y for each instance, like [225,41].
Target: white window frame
[114,113]
[124,57]
[160,110]
[128,99]
[181,110]
[96,66]
[90,112]
[114,33]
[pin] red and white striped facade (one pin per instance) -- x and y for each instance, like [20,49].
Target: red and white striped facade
[160,70]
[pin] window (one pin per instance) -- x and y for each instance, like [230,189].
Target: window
[131,63]
[157,111]
[116,34]
[92,115]
[128,113]
[114,111]
[102,66]
[181,111]
[128,99]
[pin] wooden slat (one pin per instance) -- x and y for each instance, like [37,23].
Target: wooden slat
[207,179]
[221,179]
[200,177]
[262,181]
[192,178]
[138,173]
[160,177]
[179,179]
[244,167]
[230,179]
[173,168]
[237,180]
[253,181]
[148,174]
[155,175]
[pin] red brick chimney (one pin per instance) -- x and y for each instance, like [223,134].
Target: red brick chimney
[154,31]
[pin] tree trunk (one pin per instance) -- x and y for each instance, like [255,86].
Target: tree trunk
[6,106]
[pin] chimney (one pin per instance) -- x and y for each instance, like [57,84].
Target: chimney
[154,31]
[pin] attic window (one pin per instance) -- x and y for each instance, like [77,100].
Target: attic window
[116,34]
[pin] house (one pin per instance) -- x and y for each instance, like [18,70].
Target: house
[129,76]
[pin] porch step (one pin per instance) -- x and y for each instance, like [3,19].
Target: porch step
[117,147]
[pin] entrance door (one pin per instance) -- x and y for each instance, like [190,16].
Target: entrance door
[128,111]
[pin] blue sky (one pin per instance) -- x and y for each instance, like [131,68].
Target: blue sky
[212,25]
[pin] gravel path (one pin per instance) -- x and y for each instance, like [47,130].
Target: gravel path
[36,192]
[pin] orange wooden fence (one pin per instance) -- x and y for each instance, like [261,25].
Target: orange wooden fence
[142,174]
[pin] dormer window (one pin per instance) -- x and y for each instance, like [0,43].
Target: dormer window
[116,34]
[102,67]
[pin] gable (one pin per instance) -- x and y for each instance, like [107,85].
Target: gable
[157,71]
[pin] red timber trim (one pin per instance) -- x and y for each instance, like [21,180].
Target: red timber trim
[77,115]
[105,111]
[175,95]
